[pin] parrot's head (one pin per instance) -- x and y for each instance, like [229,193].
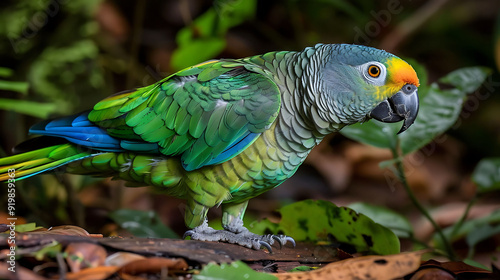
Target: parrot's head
[358,83]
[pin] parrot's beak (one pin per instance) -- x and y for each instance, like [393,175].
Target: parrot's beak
[401,106]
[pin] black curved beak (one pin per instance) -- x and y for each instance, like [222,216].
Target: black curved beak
[401,106]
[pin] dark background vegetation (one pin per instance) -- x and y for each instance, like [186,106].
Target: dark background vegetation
[74,53]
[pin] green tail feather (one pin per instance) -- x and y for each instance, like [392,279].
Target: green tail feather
[34,162]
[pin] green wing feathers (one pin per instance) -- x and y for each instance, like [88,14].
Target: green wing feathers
[207,113]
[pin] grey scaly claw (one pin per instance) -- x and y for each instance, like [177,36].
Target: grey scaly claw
[283,239]
[188,233]
[279,241]
[291,240]
[266,245]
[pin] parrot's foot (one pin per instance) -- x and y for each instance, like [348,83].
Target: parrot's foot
[238,234]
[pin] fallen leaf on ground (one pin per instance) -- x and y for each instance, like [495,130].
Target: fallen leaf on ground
[450,270]
[153,265]
[432,273]
[65,230]
[84,255]
[122,258]
[20,273]
[93,273]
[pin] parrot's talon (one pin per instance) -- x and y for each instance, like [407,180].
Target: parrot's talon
[279,240]
[291,240]
[188,233]
[266,245]
[283,239]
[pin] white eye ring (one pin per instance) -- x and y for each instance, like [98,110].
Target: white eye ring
[373,72]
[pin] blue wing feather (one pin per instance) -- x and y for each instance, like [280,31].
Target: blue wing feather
[238,146]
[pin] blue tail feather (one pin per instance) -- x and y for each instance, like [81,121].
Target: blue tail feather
[79,130]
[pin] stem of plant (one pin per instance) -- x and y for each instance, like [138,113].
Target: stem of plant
[460,222]
[402,177]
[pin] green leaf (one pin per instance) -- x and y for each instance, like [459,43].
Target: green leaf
[197,51]
[234,12]
[204,38]
[21,87]
[474,231]
[316,220]
[476,264]
[396,222]
[264,226]
[467,79]
[439,110]
[235,270]
[482,232]
[142,223]
[301,268]
[374,133]
[486,175]
[6,72]
[35,109]
[50,251]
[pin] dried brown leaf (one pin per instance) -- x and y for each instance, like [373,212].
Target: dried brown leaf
[153,265]
[367,267]
[122,258]
[92,273]
[84,255]
[64,230]
[125,276]
[454,267]
[431,274]
[20,273]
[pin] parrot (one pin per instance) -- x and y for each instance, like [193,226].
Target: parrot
[221,132]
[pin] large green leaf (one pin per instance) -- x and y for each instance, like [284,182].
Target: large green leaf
[48,251]
[392,220]
[481,233]
[6,72]
[474,231]
[439,110]
[235,270]
[467,79]
[197,51]
[21,87]
[374,133]
[27,227]
[204,37]
[487,175]
[142,223]
[35,109]
[311,220]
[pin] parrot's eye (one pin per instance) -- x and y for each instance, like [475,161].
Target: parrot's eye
[374,71]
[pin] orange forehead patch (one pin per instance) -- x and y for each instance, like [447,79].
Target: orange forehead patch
[401,73]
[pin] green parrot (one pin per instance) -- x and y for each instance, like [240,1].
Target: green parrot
[224,131]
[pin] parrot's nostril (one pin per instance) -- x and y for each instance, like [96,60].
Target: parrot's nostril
[409,88]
